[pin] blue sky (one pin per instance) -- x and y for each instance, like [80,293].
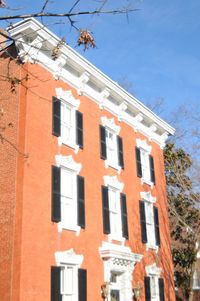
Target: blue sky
[156,50]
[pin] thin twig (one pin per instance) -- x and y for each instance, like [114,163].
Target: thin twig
[44,6]
[75,4]
[14,146]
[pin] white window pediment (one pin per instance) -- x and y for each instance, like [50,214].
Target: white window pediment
[147,196]
[67,96]
[113,182]
[68,257]
[110,124]
[153,270]
[143,145]
[68,162]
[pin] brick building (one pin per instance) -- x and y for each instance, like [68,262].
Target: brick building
[83,201]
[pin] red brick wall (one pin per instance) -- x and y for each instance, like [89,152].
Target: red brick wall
[38,237]
[9,106]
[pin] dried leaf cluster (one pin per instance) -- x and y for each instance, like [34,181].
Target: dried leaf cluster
[86,39]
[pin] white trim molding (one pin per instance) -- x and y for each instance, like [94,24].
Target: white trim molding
[30,32]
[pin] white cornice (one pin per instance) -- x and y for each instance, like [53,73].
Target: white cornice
[29,34]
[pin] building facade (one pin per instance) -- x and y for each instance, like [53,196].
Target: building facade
[83,209]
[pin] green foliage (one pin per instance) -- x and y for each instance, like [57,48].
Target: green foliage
[184,215]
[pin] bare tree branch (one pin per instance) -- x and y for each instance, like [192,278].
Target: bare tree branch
[81,13]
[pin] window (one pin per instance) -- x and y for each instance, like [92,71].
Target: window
[154,285]
[145,162]
[68,194]
[111,144]
[114,209]
[68,280]
[67,121]
[149,221]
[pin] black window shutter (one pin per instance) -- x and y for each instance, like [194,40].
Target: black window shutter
[152,171]
[79,129]
[81,201]
[82,285]
[138,162]
[55,202]
[103,142]
[157,228]
[147,286]
[56,116]
[124,215]
[106,214]
[143,222]
[120,151]
[161,289]
[55,284]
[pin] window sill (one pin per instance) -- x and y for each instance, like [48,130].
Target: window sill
[75,228]
[115,166]
[196,288]
[116,237]
[75,146]
[148,182]
[150,246]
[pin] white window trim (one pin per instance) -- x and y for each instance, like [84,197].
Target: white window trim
[143,145]
[112,182]
[121,260]
[148,198]
[67,97]
[154,271]
[70,259]
[110,125]
[68,163]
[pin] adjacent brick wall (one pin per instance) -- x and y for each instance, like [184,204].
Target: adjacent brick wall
[9,108]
